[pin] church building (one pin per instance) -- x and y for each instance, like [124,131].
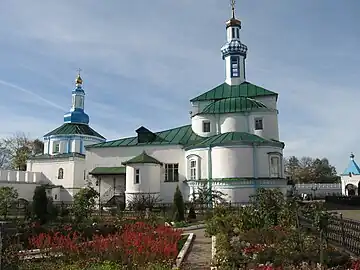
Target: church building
[350,178]
[231,144]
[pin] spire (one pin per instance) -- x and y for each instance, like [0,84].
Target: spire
[234,52]
[353,168]
[233,2]
[76,113]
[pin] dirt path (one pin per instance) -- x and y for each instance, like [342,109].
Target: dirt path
[199,257]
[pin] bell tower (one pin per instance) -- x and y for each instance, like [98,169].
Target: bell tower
[234,52]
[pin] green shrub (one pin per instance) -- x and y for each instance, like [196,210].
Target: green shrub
[179,205]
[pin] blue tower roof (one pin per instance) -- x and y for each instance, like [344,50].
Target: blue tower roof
[352,168]
[76,114]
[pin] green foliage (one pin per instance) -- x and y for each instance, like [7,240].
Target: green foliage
[40,204]
[15,150]
[179,205]
[84,203]
[206,195]
[8,197]
[309,170]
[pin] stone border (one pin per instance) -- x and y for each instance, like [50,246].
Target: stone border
[213,251]
[184,250]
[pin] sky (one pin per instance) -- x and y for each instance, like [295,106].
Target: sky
[142,61]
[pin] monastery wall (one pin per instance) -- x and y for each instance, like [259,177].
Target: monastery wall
[24,182]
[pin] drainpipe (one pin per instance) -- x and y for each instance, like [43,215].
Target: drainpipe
[210,174]
[255,172]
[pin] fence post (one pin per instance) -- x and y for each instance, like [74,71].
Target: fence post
[342,230]
[1,246]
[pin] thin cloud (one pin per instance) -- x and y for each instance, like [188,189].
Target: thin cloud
[31,93]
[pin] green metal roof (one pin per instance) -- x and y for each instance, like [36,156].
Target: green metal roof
[232,105]
[181,135]
[224,90]
[141,159]
[65,155]
[108,171]
[71,128]
[231,138]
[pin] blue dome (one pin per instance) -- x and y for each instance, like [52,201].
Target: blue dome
[76,116]
[234,47]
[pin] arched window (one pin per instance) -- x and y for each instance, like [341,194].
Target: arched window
[61,173]
[193,169]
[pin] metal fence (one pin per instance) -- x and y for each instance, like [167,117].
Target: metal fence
[338,231]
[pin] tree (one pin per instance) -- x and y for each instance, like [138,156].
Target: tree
[208,196]
[84,203]
[141,201]
[179,206]
[8,197]
[40,204]
[17,149]
[309,170]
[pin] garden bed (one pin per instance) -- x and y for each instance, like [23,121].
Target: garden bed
[267,235]
[138,245]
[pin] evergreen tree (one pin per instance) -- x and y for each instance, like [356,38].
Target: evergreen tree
[40,204]
[179,205]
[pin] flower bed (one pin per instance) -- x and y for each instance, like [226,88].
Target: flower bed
[267,235]
[134,245]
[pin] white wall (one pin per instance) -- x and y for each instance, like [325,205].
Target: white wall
[73,170]
[269,101]
[25,190]
[230,162]
[197,125]
[114,156]
[22,176]
[346,179]
[238,122]
[73,140]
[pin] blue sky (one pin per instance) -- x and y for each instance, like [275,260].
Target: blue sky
[143,61]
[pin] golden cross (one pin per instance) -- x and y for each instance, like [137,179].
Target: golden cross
[79,70]
[233,3]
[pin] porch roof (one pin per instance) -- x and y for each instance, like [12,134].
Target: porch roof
[108,170]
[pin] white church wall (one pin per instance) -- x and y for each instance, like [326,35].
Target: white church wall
[114,156]
[50,169]
[149,179]
[234,80]
[233,122]
[200,156]
[234,161]
[263,160]
[269,101]
[270,124]
[79,173]
[346,180]
[236,195]
[197,124]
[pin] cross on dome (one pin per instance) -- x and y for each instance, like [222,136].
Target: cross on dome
[78,79]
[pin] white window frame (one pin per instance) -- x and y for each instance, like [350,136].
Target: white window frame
[275,171]
[174,168]
[208,124]
[235,66]
[193,169]
[261,121]
[137,176]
